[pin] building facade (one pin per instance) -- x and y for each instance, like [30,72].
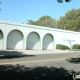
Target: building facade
[16,36]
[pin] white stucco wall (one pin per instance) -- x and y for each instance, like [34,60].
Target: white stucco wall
[15,40]
[33,41]
[1,40]
[48,42]
[36,40]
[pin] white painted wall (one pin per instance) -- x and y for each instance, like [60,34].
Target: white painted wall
[1,40]
[48,42]
[33,41]
[15,40]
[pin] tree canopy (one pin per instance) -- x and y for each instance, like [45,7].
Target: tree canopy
[0,4]
[45,21]
[71,20]
[61,1]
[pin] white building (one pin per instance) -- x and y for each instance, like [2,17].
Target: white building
[16,36]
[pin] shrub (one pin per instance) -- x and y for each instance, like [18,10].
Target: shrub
[76,46]
[62,47]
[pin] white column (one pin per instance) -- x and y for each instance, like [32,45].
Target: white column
[4,42]
[41,44]
[24,42]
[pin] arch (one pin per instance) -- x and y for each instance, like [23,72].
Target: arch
[15,40]
[48,42]
[33,41]
[1,40]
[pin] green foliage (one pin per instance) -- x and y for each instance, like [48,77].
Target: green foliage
[62,47]
[60,1]
[45,21]
[76,46]
[0,4]
[71,20]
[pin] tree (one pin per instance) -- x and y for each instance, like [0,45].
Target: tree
[60,1]
[71,20]
[45,21]
[32,22]
[0,4]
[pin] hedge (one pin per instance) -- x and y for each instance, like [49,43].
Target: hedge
[62,47]
[76,46]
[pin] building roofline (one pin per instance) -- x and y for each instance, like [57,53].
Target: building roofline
[38,27]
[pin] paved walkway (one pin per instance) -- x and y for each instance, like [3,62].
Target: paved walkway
[46,51]
[34,52]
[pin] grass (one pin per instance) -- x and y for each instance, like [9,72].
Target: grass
[75,50]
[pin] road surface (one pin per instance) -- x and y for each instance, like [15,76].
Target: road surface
[40,67]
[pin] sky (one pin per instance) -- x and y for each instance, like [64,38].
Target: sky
[23,10]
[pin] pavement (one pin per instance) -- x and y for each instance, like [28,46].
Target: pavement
[36,52]
[46,66]
[35,57]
